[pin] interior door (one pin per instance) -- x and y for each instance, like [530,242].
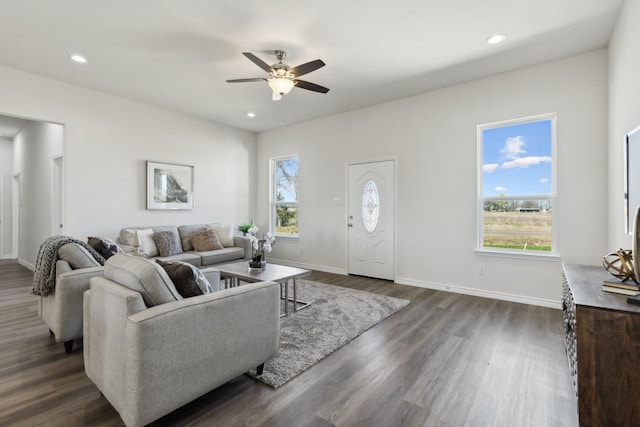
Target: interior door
[371,221]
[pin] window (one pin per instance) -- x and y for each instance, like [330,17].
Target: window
[284,195]
[516,188]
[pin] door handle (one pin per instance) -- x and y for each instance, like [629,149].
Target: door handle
[349,225]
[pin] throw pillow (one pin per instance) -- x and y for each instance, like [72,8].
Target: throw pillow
[205,240]
[77,256]
[105,247]
[148,245]
[167,243]
[129,238]
[188,279]
[224,232]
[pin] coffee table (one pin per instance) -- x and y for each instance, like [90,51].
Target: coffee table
[235,272]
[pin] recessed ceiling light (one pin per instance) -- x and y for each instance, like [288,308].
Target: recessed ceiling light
[78,58]
[251,114]
[496,38]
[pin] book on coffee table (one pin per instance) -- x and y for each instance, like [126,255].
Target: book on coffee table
[622,291]
[622,285]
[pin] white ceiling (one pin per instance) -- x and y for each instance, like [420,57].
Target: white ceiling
[178,54]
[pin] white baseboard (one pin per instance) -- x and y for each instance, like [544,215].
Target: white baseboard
[26,264]
[440,287]
[482,293]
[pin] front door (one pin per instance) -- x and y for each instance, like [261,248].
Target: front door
[371,219]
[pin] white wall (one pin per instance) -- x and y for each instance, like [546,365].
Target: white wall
[107,140]
[624,112]
[433,138]
[35,147]
[6,171]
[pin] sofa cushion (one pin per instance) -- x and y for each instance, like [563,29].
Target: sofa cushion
[221,255]
[188,279]
[186,231]
[224,232]
[167,243]
[143,276]
[105,247]
[77,256]
[205,240]
[190,257]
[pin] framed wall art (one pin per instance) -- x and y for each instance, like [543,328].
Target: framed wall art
[169,186]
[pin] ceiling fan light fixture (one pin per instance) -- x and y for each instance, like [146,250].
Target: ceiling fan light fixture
[281,86]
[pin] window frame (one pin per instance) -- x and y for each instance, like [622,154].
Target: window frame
[481,199]
[273,203]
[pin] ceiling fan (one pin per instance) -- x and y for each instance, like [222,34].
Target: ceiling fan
[283,78]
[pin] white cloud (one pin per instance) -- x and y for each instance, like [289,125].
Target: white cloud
[525,162]
[489,167]
[500,189]
[513,147]
[544,180]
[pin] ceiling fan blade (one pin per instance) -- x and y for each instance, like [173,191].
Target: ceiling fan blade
[259,62]
[303,69]
[275,96]
[310,86]
[257,79]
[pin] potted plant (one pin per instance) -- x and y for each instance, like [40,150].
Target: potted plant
[260,247]
[248,229]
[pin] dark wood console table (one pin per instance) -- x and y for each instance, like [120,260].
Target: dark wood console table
[602,341]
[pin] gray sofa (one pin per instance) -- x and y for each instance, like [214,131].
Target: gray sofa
[62,310]
[149,361]
[236,248]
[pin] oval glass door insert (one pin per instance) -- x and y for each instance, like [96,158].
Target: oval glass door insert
[370,206]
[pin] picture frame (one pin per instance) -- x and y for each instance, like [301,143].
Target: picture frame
[169,186]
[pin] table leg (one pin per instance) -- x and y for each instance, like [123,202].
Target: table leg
[286,297]
[295,296]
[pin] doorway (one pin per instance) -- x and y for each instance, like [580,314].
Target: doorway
[371,219]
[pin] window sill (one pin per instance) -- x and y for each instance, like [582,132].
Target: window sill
[529,255]
[287,237]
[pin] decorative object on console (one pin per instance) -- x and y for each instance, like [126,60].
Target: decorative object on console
[169,186]
[620,265]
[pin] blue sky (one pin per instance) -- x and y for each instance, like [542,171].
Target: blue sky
[516,160]
[287,188]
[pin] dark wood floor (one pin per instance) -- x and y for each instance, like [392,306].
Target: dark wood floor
[445,360]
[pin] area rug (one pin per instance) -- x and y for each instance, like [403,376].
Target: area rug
[336,316]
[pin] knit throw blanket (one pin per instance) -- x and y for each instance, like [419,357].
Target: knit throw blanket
[44,278]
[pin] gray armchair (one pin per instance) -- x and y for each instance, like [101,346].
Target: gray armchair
[62,310]
[150,360]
